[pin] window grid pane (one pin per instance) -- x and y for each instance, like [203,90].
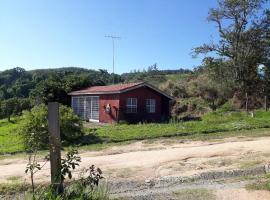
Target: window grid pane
[150,105]
[131,105]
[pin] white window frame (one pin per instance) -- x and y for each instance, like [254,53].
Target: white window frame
[150,105]
[131,105]
[84,107]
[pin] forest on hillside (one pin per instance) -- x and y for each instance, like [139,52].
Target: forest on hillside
[21,90]
[235,71]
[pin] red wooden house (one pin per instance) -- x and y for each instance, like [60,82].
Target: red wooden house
[132,102]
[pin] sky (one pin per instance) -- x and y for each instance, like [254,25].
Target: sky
[38,34]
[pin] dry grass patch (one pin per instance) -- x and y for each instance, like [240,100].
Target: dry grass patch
[195,194]
[123,173]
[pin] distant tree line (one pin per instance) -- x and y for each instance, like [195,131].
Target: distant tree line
[21,90]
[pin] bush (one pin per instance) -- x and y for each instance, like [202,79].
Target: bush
[70,125]
[226,107]
[34,128]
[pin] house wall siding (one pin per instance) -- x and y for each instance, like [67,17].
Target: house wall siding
[141,94]
[113,101]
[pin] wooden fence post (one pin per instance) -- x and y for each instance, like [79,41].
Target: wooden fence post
[265,103]
[55,146]
[247,102]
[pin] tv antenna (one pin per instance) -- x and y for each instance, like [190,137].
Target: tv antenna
[113,38]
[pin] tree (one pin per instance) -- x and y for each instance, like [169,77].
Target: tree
[8,108]
[34,128]
[242,43]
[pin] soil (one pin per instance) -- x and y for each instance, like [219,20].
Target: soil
[146,160]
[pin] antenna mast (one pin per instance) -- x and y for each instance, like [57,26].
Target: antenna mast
[113,38]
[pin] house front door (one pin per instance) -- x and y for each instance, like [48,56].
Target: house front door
[94,114]
[86,107]
[92,108]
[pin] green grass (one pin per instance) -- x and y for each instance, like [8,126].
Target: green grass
[260,183]
[13,187]
[195,194]
[211,123]
[10,141]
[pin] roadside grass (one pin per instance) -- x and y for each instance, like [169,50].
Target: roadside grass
[195,194]
[102,146]
[263,132]
[260,183]
[14,178]
[13,187]
[250,163]
[10,141]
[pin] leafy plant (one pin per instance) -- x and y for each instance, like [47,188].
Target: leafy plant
[34,128]
[69,163]
[33,167]
[85,188]
[93,178]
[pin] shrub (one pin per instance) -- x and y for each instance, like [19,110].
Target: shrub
[70,125]
[34,128]
[226,107]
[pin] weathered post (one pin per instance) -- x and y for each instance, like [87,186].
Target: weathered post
[265,103]
[55,146]
[247,102]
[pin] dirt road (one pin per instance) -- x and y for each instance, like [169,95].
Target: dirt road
[147,160]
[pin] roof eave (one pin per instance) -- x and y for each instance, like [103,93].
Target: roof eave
[90,93]
[123,91]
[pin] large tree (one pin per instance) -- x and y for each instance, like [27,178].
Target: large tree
[242,27]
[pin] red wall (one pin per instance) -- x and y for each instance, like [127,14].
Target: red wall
[113,100]
[141,94]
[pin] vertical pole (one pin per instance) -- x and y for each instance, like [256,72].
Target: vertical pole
[246,102]
[113,58]
[265,103]
[55,146]
[113,38]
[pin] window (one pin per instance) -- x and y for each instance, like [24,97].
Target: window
[150,105]
[74,104]
[131,105]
